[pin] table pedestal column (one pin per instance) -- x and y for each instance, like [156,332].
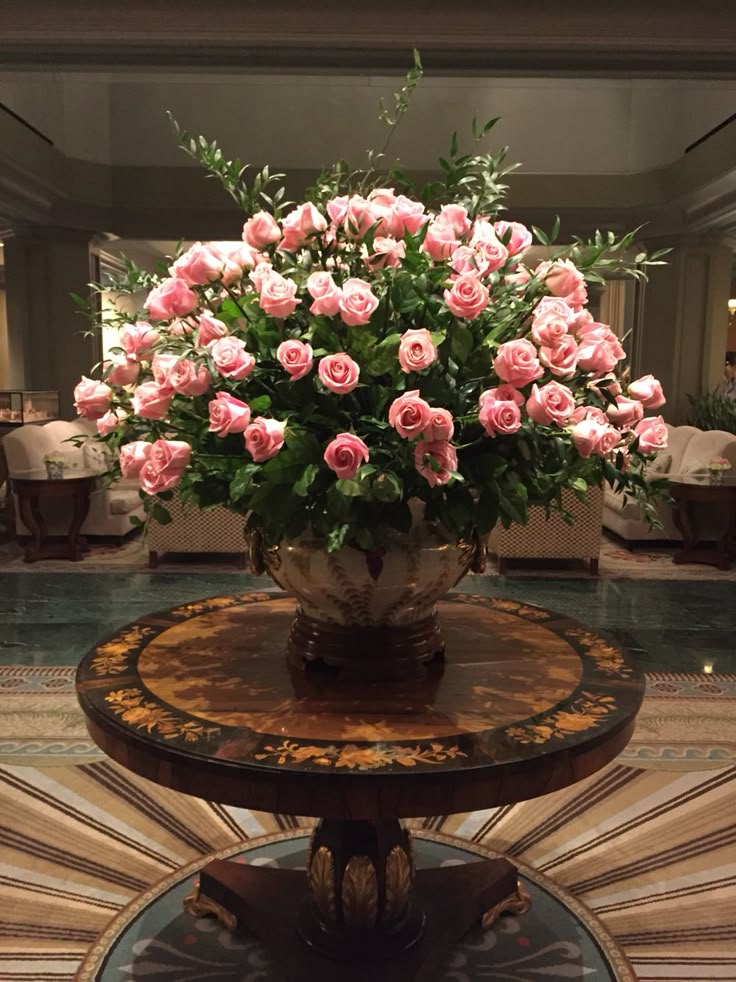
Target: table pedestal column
[362,909]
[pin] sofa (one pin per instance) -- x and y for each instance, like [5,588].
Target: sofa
[553,538]
[110,508]
[193,529]
[689,451]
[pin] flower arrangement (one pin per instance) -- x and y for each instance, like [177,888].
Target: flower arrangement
[370,346]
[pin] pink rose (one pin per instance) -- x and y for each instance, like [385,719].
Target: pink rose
[188,380]
[516,237]
[235,257]
[609,440]
[502,393]
[457,217]
[440,241]
[516,362]
[596,354]
[410,214]
[260,274]
[562,359]
[197,266]
[261,230]
[386,252]
[296,357]
[264,438]
[326,294]
[440,428]
[110,421]
[550,321]
[442,453]
[416,350]
[231,359]
[586,435]
[410,415]
[625,413]
[299,225]
[133,456]
[161,367]
[171,298]
[165,465]
[228,415]
[138,339]
[382,197]
[360,215]
[278,296]
[652,434]
[150,402]
[563,279]
[499,416]
[648,391]
[91,398]
[589,412]
[210,329]
[180,328]
[357,302]
[339,373]
[580,320]
[520,277]
[552,403]
[491,254]
[345,454]
[337,209]
[125,370]
[464,261]
[468,297]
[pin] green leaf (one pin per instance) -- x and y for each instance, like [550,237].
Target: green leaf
[350,487]
[487,512]
[579,484]
[160,514]
[260,404]
[302,486]
[387,487]
[461,343]
[336,538]
[241,482]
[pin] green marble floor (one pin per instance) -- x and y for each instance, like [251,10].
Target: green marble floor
[669,625]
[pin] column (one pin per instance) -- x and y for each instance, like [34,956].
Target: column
[685,320]
[48,350]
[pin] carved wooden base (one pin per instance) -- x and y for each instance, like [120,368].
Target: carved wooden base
[380,921]
[366,653]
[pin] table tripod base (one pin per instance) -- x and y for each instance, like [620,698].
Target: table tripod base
[269,902]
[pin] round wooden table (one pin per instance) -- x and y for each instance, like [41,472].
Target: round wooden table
[696,496]
[75,485]
[200,699]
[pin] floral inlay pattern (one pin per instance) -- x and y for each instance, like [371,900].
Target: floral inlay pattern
[353,757]
[585,713]
[112,656]
[134,709]
[607,657]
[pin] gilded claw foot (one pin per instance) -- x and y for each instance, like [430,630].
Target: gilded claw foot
[200,905]
[519,902]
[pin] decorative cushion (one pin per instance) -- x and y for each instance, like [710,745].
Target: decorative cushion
[97,457]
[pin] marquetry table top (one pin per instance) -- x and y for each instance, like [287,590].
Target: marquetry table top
[200,698]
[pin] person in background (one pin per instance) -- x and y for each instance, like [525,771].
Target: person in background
[729,376]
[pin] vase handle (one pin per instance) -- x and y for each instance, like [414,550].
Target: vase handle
[256,552]
[480,552]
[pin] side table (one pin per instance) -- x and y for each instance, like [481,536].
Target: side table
[200,699]
[76,486]
[694,496]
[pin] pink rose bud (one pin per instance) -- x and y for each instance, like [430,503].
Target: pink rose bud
[188,380]
[491,254]
[110,421]
[150,402]
[516,237]
[325,292]
[210,329]
[357,302]
[197,266]
[562,359]
[551,320]
[499,416]
[516,362]
[440,241]
[648,391]
[231,359]
[443,454]
[165,465]
[626,413]
[296,357]
[416,350]
[441,427]
[337,209]
[234,257]
[133,456]
[138,339]
[345,454]
[502,393]
[261,230]
[609,440]
[169,299]
[410,415]
[264,438]
[386,252]
[519,278]
[563,279]
[180,328]
[586,435]
[410,214]
[278,296]
[339,373]
[228,415]
[360,215]
[161,367]
[457,217]
[299,225]
[552,403]
[125,370]
[260,274]
[468,297]
[596,354]
[91,398]
[652,434]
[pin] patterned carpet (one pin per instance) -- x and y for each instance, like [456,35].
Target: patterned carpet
[647,844]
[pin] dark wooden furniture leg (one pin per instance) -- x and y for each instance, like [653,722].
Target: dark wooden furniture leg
[152,559]
[79,513]
[361,913]
[594,565]
[31,518]
[503,565]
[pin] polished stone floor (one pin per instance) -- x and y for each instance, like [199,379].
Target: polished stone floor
[669,625]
